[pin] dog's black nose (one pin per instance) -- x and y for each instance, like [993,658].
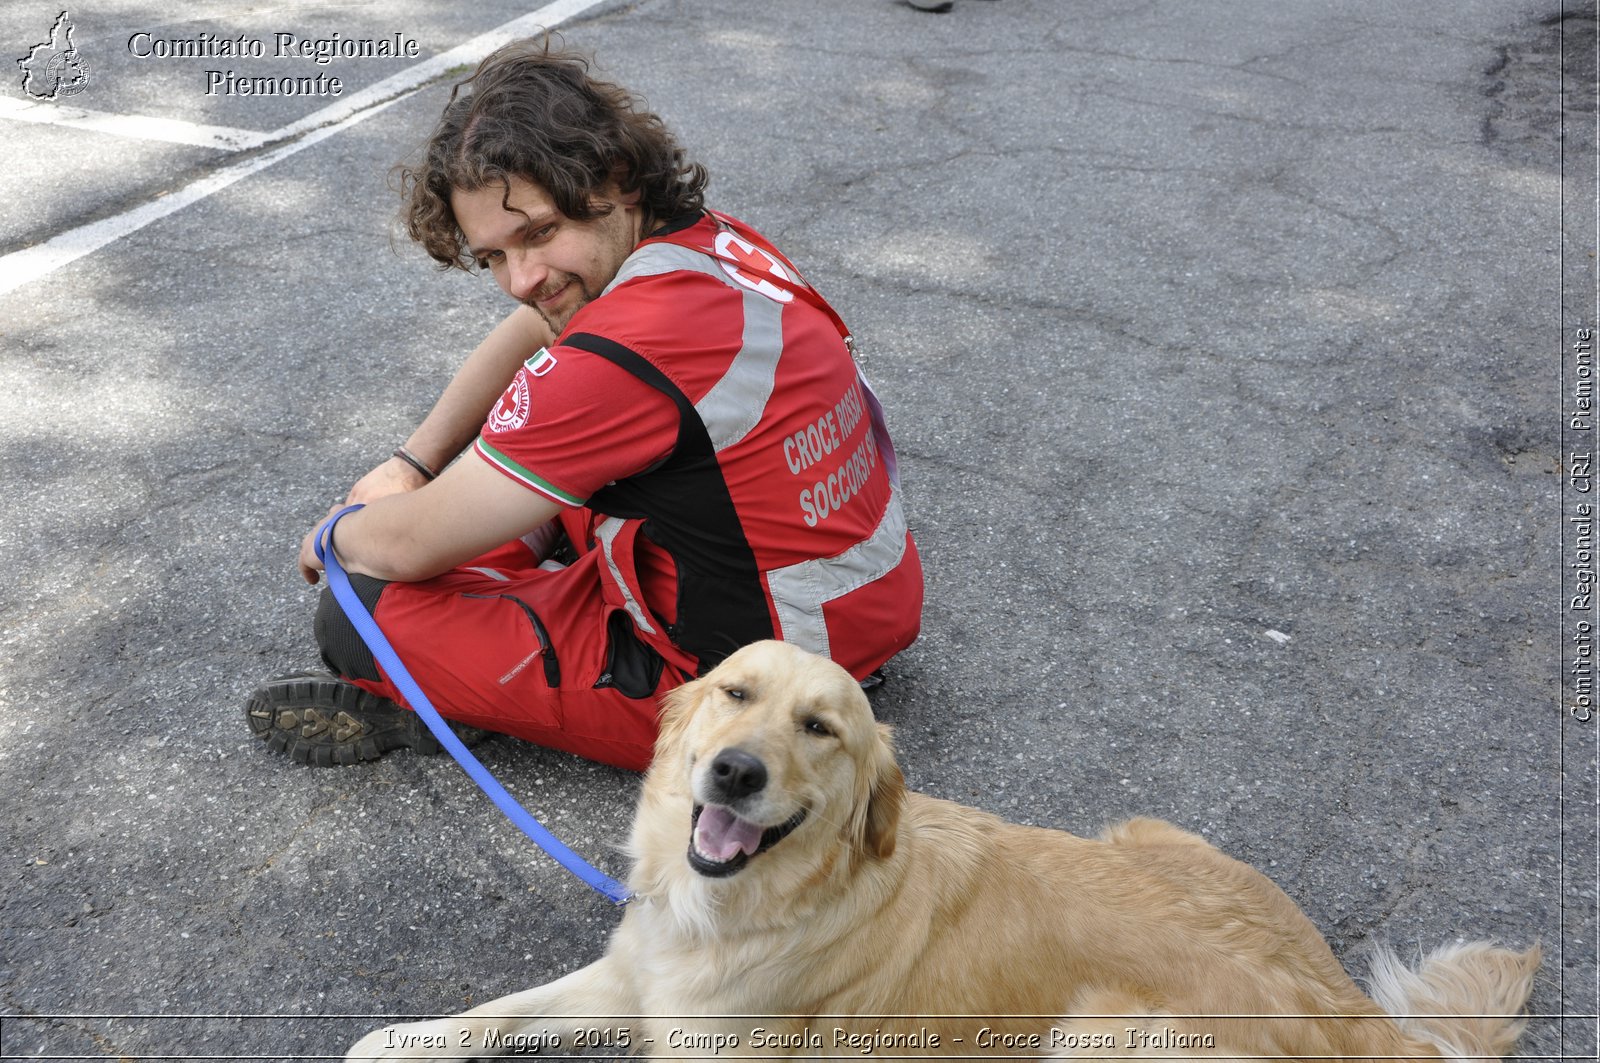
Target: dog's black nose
[737,774]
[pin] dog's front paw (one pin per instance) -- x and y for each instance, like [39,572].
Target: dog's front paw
[436,1039]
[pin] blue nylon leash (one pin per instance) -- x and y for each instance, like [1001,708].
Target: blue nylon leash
[384,654]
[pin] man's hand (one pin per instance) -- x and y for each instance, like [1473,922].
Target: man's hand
[390,478]
[413,535]
[310,564]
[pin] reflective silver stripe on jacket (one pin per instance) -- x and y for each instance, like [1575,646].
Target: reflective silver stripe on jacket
[735,403]
[656,259]
[800,591]
[606,532]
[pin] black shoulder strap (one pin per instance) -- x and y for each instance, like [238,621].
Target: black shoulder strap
[688,510]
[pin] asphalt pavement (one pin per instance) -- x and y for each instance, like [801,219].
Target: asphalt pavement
[1222,344]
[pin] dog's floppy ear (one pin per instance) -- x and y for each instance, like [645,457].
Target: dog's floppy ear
[879,822]
[677,708]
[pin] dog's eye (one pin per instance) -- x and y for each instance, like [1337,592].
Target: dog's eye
[817,727]
[734,693]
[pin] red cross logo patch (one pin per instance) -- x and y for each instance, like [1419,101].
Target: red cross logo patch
[752,267]
[511,412]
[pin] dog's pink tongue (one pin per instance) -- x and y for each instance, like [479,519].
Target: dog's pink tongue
[721,835]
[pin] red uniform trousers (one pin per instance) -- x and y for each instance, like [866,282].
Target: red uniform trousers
[506,646]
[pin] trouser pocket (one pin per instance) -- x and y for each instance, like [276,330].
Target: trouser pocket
[633,667]
[547,650]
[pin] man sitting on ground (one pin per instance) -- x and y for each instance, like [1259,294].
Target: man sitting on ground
[672,453]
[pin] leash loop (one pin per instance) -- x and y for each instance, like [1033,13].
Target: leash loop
[385,655]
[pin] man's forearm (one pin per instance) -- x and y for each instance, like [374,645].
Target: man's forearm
[455,420]
[415,535]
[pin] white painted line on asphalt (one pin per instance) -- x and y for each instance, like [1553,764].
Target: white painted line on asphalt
[135,126]
[462,55]
[40,260]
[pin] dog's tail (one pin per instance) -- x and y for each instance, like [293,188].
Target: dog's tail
[1466,1000]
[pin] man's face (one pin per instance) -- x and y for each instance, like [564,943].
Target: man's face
[537,254]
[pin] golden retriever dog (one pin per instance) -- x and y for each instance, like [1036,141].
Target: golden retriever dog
[795,899]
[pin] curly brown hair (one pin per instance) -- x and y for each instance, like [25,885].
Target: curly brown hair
[532,111]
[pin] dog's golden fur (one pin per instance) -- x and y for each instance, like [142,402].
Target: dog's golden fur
[887,920]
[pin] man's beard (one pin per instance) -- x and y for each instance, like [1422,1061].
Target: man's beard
[585,298]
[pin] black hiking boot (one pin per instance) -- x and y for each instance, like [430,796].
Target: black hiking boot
[322,720]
